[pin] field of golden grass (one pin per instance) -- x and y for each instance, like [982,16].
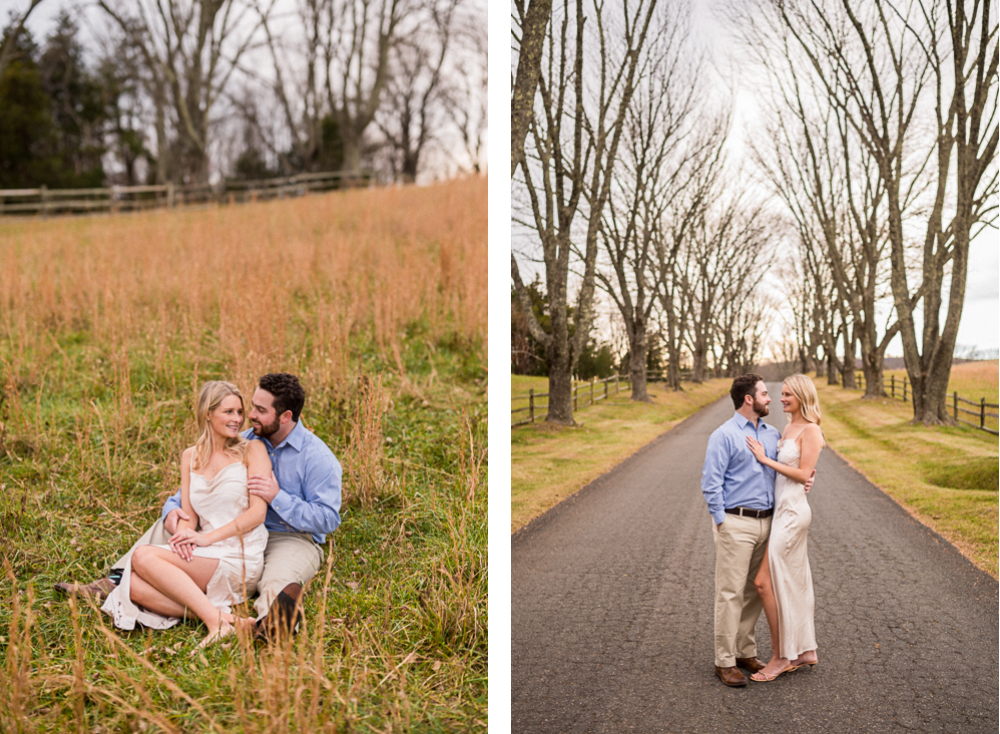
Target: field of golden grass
[108,325]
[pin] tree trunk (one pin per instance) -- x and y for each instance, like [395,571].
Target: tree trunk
[637,361]
[850,383]
[560,384]
[529,62]
[871,364]
[352,154]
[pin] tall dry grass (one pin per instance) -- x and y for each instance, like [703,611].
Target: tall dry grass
[377,300]
[287,282]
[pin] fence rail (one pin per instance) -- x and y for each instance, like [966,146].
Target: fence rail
[981,414]
[45,202]
[589,391]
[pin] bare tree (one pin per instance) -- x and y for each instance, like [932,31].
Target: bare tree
[575,140]
[359,35]
[832,191]
[654,165]
[730,253]
[413,113]
[191,49]
[694,193]
[465,92]
[300,98]
[895,63]
[533,23]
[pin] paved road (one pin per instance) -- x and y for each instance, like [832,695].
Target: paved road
[611,612]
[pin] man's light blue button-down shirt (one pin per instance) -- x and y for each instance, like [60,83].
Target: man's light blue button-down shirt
[732,476]
[308,475]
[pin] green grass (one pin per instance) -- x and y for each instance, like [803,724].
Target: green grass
[93,416]
[946,476]
[549,463]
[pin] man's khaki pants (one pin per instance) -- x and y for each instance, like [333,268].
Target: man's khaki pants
[289,558]
[740,544]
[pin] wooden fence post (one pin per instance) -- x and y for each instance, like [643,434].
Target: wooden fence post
[592,390]
[904,389]
[955,402]
[531,404]
[892,381]
[605,389]
[45,200]
[576,406]
[170,194]
[982,412]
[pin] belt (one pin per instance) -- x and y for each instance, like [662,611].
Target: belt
[744,512]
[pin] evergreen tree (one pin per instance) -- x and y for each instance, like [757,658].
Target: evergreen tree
[27,137]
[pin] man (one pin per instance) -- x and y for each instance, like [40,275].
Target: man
[739,491]
[303,496]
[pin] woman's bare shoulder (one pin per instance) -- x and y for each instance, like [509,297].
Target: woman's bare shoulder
[814,433]
[256,448]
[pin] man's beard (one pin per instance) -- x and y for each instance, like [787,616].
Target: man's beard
[759,408]
[265,431]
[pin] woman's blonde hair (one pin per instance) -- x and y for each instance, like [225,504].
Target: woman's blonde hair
[211,396]
[804,389]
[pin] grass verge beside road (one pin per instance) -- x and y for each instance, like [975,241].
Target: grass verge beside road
[946,477]
[549,463]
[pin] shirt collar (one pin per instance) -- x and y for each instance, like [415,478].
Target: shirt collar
[742,422]
[294,438]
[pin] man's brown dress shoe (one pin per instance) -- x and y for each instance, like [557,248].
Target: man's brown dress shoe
[751,664]
[731,676]
[97,590]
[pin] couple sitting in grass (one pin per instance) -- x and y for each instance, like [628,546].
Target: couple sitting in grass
[251,517]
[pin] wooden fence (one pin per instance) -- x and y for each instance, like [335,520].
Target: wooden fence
[45,202]
[587,391]
[903,387]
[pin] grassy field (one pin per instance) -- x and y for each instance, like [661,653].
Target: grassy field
[108,325]
[549,463]
[946,477]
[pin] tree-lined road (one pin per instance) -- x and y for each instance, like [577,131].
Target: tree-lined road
[612,603]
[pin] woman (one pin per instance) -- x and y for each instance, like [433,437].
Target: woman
[158,586]
[784,581]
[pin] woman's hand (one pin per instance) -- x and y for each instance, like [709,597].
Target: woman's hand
[756,448]
[185,540]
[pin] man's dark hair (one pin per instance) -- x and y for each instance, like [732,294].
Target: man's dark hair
[742,386]
[288,393]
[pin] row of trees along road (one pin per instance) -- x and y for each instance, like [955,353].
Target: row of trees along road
[881,145]
[623,182]
[876,142]
[179,89]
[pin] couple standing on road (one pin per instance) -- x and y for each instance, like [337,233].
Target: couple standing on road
[752,473]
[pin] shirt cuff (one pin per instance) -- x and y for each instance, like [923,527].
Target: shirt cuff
[281,503]
[719,516]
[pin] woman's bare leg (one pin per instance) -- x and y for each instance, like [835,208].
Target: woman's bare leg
[766,591]
[145,595]
[183,582]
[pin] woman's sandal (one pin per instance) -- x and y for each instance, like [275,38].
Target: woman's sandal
[768,678]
